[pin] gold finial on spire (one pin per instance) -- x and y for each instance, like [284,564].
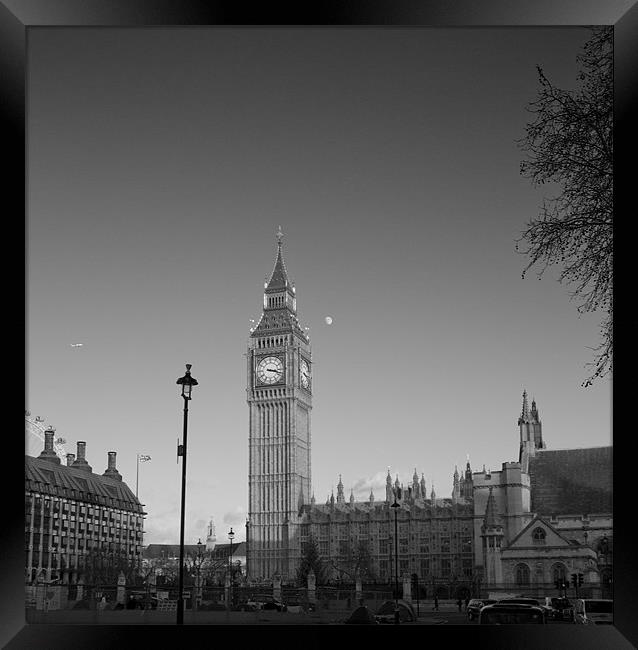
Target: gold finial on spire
[280,236]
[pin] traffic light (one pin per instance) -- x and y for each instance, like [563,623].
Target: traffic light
[580,579]
[574,579]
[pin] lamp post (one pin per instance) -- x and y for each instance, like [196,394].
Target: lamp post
[198,566]
[186,382]
[396,506]
[231,536]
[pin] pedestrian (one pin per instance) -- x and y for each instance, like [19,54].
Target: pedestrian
[467,602]
[436,603]
[459,602]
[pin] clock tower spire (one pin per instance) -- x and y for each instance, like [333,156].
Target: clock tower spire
[279,396]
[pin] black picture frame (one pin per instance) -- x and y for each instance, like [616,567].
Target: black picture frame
[17,17]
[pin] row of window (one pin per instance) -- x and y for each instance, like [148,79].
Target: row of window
[522,573]
[413,529]
[76,508]
[81,527]
[274,342]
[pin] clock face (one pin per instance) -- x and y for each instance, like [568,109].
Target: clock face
[304,373]
[270,370]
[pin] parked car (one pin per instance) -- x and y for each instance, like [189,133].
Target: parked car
[252,604]
[511,614]
[245,606]
[557,608]
[296,606]
[273,603]
[519,601]
[475,605]
[590,611]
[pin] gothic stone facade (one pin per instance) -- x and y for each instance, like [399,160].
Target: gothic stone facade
[544,516]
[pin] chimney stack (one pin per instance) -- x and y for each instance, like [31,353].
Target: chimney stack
[48,453]
[69,459]
[80,461]
[111,470]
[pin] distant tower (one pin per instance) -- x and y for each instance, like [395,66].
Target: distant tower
[389,495]
[210,536]
[340,497]
[468,484]
[531,434]
[415,485]
[456,487]
[279,396]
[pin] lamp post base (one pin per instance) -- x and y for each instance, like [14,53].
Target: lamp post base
[180,611]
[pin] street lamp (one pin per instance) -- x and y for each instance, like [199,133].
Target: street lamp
[198,565]
[231,536]
[187,382]
[396,506]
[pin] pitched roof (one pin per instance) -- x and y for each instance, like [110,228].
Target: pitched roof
[153,551]
[279,277]
[571,481]
[278,321]
[556,534]
[42,475]
[222,550]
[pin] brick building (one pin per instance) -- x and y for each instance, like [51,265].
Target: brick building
[74,516]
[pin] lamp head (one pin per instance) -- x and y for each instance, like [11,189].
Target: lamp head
[187,382]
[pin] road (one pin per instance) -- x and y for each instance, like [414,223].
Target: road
[448,616]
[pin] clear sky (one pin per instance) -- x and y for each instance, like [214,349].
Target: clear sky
[160,164]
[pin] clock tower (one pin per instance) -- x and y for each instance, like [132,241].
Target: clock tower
[279,396]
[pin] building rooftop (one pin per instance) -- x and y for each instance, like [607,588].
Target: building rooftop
[571,481]
[41,475]
[155,551]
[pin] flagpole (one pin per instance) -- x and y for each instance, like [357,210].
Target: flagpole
[143,458]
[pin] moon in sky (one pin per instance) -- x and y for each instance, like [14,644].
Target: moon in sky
[328,320]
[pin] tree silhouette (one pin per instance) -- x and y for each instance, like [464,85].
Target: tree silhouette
[569,142]
[357,561]
[310,559]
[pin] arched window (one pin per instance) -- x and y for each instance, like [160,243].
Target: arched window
[538,536]
[559,572]
[522,574]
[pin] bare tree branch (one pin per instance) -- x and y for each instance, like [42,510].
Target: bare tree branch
[570,142]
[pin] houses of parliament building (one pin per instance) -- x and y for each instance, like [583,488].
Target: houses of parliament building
[538,519]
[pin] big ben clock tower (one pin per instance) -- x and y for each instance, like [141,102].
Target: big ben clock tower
[279,395]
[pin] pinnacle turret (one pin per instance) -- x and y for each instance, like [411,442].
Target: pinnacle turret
[280,301]
[279,276]
[491,518]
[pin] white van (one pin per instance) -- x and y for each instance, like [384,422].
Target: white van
[596,611]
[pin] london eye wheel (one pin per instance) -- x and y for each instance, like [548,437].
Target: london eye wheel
[34,437]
